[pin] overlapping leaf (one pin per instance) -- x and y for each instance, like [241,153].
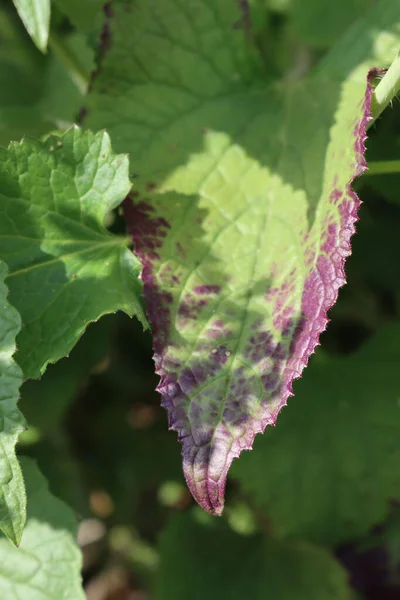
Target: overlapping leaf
[213,562]
[330,468]
[35,15]
[47,564]
[65,269]
[83,15]
[243,212]
[37,93]
[12,491]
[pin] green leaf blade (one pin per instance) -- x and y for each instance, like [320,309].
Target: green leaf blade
[243,211]
[35,15]
[65,269]
[262,567]
[12,490]
[47,564]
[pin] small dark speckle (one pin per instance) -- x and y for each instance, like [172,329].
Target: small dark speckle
[73,276]
[172,148]
[151,186]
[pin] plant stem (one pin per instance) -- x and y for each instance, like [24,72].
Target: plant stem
[386,90]
[381,167]
[78,72]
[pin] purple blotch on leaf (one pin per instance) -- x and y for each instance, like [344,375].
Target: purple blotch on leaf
[216,405]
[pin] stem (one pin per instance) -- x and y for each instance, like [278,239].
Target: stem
[386,90]
[382,167]
[77,71]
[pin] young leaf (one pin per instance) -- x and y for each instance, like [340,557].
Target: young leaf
[12,491]
[65,269]
[213,562]
[245,253]
[35,15]
[47,564]
[330,468]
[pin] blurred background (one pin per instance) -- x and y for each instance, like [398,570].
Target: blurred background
[95,423]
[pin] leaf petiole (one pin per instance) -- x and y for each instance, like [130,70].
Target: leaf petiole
[383,167]
[386,90]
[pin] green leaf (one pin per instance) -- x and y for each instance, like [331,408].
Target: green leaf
[82,15]
[12,491]
[243,210]
[44,402]
[329,469]
[65,269]
[321,23]
[47,564]
[37,94]
[213,562]
[35,15]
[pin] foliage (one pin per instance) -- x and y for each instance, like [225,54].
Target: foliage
[199,162]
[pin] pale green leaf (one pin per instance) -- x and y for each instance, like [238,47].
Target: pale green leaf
[35,15]
[65,268]
[12,491]
[47,564]
[243,211]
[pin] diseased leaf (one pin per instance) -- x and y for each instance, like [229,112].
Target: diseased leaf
[213,562]
[65,269]
[330,468]
[47,564]
[243,210]
[35,15]
[12,491]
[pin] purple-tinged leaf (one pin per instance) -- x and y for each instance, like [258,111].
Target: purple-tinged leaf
[243,212]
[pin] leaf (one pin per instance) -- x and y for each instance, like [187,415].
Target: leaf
[213,562]
[65,269]
[47,564]
[12,491]
[243,210]
[321,23]
[44,402]
[81,14]
[35,15]
[37,95]
[330,468]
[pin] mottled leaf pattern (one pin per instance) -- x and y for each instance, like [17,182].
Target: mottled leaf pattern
[243,209]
